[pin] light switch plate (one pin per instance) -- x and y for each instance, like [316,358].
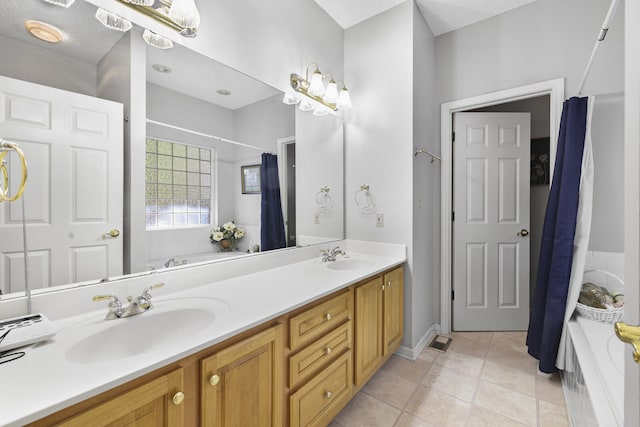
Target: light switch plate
[379,219]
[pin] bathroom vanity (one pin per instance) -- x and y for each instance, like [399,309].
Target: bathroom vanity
[288,344]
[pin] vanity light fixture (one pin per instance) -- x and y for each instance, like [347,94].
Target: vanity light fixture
[62,3]
[180,15]
[44,31]
[156,40]
[328,96]
[141,2]
[113,21]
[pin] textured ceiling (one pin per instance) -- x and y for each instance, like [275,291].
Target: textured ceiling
[442,16]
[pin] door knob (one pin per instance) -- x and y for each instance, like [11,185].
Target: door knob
[522,233]
[113,233]
[630,335]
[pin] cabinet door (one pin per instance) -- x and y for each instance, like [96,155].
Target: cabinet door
[156,403]
[368,326]
[242,385]
[393,310]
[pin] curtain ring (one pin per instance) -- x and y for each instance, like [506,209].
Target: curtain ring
[4,188]
[324,199]
[364,199]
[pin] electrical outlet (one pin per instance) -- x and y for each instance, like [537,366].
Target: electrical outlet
[379,219]
[316,218]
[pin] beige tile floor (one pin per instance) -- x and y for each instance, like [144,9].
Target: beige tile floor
[483,379]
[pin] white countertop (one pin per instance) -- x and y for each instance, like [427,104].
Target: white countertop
[46,379]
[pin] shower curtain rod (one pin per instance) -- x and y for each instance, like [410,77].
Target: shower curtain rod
[206,135]
[601,35]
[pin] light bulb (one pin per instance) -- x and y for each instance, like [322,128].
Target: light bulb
[316,88]
[156,40]
[305,106]
[112,21]
[331,94]
[290,99]
[141,2]
[185,13]
[344,101]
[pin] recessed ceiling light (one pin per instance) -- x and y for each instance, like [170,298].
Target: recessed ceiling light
[44,31]
[223,92]
[161,68]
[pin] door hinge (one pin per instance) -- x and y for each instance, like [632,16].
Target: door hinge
[453,216]
[453,137]
[453,296]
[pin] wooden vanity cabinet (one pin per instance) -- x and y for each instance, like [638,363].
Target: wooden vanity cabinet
[159,402]
[378,322]
[297,370]
[320,360]
[242,384]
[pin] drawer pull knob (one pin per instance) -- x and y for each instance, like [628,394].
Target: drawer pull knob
[328,395]
[328,316]
[178,398]
[327,350]
[214,380]
[382,288]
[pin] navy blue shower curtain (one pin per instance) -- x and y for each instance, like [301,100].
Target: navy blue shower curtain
[272,234]
[556,248]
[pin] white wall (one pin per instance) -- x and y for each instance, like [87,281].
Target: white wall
[425,295]
[319,163]
[379,136]
[122,78]
[266,40]
[261,125]
[543,40]
[607,135]
[24,61]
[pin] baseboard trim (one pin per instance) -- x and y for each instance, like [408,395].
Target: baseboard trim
[413,353]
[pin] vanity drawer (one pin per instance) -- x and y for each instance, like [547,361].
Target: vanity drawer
[318,320]
[318,401]
[308,361]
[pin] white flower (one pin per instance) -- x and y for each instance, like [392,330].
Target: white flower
[239,233]
[229,226]
[217,228]
[217,236]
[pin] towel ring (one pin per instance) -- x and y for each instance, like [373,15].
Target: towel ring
[364,199]
[324,199]
[5,147]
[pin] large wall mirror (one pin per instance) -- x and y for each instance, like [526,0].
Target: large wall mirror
[204,122]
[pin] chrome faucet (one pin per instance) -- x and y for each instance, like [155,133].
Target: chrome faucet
[136,306]
[168,263]
[330,255]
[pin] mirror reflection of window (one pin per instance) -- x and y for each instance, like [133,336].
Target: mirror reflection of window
[178,189]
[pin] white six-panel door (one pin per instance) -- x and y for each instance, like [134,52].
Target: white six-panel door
[73,145]
[491,206]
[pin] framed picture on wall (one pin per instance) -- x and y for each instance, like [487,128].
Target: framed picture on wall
[250,179]
[540,159]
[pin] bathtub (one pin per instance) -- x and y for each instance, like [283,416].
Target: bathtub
[593,383]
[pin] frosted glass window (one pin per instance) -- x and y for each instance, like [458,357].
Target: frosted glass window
[178,185]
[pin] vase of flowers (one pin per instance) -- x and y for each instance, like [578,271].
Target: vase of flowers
[226,236]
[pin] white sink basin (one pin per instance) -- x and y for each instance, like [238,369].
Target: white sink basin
[166,323]
[348,264]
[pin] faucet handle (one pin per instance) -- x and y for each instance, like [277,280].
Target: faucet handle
[114,299]
[147,292]
[115,306]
